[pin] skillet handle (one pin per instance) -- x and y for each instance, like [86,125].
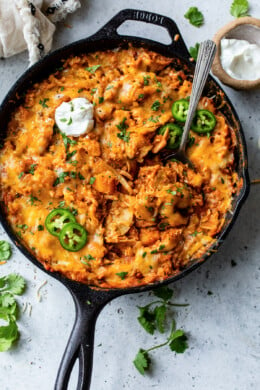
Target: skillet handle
[88,304]
[109,30]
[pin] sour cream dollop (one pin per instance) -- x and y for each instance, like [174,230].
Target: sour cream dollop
[240,59]
[75,118]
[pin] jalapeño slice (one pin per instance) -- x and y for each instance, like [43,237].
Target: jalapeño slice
[175,134]
[180,110]
[73,237]
[57,219]
[203,122]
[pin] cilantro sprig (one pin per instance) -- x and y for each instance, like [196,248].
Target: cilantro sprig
[194,16]
[10,286]
[153,317]
[239,8]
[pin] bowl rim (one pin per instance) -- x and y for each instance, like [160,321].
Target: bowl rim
[217,67]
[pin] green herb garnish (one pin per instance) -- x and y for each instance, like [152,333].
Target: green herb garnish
[20,175]
[146,80]
[92,69]
[194,16]
[5,250]
[10,285]
[194,51]
[239,8]
[156,105]
[33,199]
[153,317]
[92,180]
[122,275]
[124,135]
[67,141]
[43,102]
[32,169]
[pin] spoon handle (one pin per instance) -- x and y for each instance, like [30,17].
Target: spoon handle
[205,58]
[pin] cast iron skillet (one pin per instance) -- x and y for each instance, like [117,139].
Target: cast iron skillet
[81,340]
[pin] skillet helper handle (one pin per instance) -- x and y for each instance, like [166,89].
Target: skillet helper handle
[81,342]
[109,31]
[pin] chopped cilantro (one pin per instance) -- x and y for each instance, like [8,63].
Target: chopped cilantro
[194,51]
[154,120]
[92,180]
[33,199]
[43,102]
[146,80]
[124,135]
[40,228]
[239,8]
[92,69]
[194,16]
[20,175]
[67,141]
[5,250]
[156,105]
[100,100]
[93,90]
[80,176]
[122,275]
[80,90]
[32,168]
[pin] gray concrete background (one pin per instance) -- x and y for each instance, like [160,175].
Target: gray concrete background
[223,327]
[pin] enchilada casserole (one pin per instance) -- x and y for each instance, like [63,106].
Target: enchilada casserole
[139,220]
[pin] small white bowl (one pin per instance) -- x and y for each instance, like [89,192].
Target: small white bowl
[246,28]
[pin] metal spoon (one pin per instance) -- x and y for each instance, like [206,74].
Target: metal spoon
[205,58]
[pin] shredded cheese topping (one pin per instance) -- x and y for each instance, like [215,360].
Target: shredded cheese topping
[145,220]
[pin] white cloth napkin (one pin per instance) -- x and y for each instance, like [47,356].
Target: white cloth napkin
[30,25]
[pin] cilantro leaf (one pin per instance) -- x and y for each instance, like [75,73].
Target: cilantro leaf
[156,105]
[8,334]
[9,313]
[178,342]
[160,315]
[123,135]
[239,8]
[13,283]
[164,293]
[6,299]
[122,275]
[142,361]
[194,51]
[43,102]
[5,250]
[32,169]
[92,69]
[67,141]
[194,16]
[146,319]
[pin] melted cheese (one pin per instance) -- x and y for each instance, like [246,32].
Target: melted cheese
[144,220]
